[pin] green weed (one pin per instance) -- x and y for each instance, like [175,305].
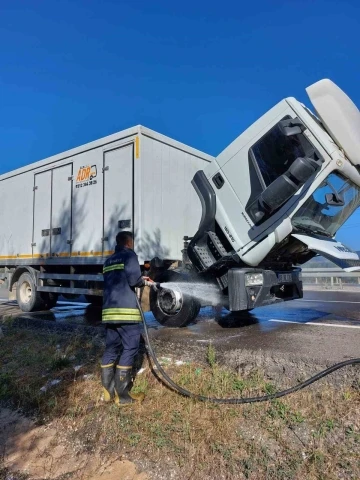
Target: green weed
[238,385]
[270,389]
[211,355]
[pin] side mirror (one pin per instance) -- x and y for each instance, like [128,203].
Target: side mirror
[284,187]
[291,126]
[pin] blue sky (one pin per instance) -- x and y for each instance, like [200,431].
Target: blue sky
[200,72]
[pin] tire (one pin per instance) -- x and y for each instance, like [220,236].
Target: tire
[188,311]
[50,299]
[27,296]
[95,300]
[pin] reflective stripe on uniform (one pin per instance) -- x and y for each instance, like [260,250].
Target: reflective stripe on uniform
[126,311]
[121,315]
[116,266]
[120,318]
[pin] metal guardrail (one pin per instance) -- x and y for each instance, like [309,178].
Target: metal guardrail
[328,272]
[318,277]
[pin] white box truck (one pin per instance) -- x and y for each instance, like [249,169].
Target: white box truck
[270,201]
[66,211]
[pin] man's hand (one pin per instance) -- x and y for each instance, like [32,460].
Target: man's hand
[148,282]
[148,279]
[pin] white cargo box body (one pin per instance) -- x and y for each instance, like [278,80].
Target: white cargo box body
[69,207]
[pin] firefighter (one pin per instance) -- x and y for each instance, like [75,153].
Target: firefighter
[122,318]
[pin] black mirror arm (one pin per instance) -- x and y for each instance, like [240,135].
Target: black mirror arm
[339,199]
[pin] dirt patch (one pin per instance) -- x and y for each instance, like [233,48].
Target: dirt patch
[284,369]
[36,452]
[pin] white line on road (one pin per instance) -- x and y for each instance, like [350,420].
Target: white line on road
[315,323]
[326,301]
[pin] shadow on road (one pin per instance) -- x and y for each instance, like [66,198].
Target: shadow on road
[236,320]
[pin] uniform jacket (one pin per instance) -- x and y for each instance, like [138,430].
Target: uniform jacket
[121,275]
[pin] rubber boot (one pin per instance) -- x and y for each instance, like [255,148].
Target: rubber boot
[122,384]
[108,381]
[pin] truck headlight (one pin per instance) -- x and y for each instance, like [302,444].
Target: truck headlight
[253,279]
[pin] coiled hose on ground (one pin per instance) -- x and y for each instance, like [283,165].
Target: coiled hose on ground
[236,401]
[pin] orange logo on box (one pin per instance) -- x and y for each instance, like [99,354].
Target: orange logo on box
[86,176]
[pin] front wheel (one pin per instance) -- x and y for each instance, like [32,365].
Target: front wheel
[171,306]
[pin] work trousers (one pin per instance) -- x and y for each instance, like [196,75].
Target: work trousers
[125,335]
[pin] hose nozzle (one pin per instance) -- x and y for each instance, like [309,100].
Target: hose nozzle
[149,283]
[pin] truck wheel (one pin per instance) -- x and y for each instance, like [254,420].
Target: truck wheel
[173,308]
[95,300]
[27,296]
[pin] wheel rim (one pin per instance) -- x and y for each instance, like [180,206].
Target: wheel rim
[169,301]
[25,292]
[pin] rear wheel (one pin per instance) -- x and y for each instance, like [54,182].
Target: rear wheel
[27,296]
[172,307]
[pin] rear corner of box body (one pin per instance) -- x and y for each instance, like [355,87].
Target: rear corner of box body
[169,207]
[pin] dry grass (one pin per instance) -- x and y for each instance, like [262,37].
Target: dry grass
[314,434]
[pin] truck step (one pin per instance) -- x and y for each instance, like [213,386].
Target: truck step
[215,245]
[205,256]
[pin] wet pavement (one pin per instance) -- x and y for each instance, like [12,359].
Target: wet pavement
[324,326]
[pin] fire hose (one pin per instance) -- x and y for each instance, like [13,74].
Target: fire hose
[166,379]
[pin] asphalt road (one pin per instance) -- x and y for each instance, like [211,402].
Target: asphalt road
[324,326]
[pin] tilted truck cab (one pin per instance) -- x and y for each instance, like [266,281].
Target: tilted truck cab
[276,197]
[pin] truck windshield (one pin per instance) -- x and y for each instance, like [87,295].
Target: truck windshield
[321,215]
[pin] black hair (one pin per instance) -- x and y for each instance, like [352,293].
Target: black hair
[122,238]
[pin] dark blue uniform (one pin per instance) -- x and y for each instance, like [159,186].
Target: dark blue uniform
[120,311]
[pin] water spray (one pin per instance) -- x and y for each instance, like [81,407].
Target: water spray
[171,294]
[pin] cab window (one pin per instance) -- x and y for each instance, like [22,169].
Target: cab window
[275,152]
